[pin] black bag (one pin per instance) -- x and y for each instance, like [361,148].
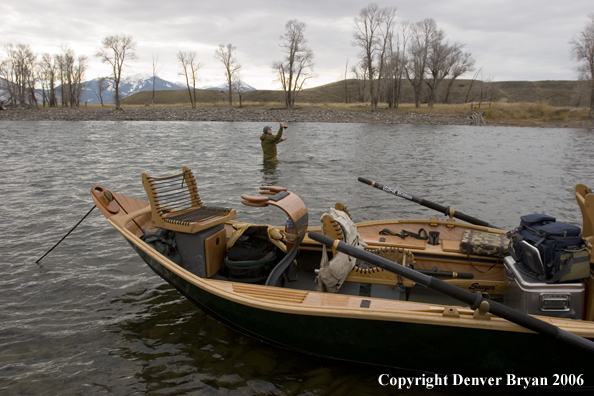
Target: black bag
[549,251]
[163,241]
[251,258]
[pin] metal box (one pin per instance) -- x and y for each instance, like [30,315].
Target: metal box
[534,297]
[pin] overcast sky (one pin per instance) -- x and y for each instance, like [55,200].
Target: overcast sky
[509,39]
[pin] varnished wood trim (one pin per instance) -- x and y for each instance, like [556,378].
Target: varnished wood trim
[326,304]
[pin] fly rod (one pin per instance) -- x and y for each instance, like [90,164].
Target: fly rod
[448,211]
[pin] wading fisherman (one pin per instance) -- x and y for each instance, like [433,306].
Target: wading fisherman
[269,142]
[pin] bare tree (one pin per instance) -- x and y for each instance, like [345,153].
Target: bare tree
[582,50]
[71,76]
[62,61]
[190,67]
[423,34]
[226,55]
[48,78]
[297,66]
[116,51]
[442,59]
[477,74]
[156,69]
[4,84]
[486,90]
[239,86]
[463,63]
[373,31]
[347,99]
[78,76]
[102,85]
[360,72]
[18,71]
[395,65]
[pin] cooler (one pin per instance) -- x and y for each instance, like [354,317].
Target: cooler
[534,297]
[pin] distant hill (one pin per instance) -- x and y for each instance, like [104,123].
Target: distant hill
[138,90]
[555,93]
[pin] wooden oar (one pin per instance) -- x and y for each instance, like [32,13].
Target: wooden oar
[448,211]
[474,300]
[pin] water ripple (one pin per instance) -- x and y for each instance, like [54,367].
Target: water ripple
[92,318]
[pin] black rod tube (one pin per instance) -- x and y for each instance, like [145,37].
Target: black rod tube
[474,300]
[459,275]
[428,204]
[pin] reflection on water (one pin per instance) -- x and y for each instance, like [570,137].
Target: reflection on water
[269,176]
[92,318]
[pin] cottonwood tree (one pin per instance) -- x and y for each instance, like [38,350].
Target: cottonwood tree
[102,85]
[477,74]
[65,63]
[71,76]
[78,76]
[442,59]
[346,83]
[239,86]
[360,72]
[423,35]
[395,64]
[190,67]
[297,66]
[156,69]
[48,72]
[226,55]
[373,31]
[18,69]
[115,51]
[582,50]
[463,63]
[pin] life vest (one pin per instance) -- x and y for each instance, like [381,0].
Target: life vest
[274,235]
[333,272]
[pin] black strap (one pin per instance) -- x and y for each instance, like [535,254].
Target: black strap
[559,274]
[422,234]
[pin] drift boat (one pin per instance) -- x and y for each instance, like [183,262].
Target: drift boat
[374,314]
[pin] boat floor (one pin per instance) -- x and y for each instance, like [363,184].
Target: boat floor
[305,279]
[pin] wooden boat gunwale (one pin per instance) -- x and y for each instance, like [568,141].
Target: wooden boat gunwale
[431,314]
[285,317]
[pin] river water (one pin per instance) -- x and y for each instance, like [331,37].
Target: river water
[91,318]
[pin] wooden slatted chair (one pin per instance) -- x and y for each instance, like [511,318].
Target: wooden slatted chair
[176,205]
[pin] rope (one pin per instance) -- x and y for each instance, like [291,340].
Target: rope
[81,220]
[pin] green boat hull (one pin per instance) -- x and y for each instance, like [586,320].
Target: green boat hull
[436,349]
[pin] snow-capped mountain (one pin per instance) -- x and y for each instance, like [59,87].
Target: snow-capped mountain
[128,86]
[225,87]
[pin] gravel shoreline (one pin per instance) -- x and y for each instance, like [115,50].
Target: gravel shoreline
[252,115]
[227,115]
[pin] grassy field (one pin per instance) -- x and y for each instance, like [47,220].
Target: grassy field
[554,93]
[521,103]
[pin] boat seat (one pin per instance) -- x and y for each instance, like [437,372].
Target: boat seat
[331,228]
[585,200]
[176,205]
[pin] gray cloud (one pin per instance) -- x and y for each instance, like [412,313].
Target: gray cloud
[511,40]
